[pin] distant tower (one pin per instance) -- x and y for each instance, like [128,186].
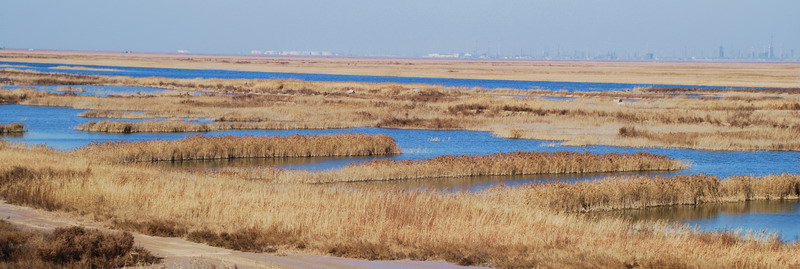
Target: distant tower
[771,49]
[721,52]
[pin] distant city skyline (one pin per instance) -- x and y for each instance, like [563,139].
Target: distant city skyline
[527,29]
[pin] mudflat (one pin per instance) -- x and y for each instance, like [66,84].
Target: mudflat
[734,74]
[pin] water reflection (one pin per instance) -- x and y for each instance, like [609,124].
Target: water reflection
[771,216]
[11,135]
[477,183]
[706,211]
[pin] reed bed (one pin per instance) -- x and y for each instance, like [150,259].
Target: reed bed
[514,163]
[179,126]
[229,147]
[69,89]
[500,227]
[646,191]
[12,128]
[743,120]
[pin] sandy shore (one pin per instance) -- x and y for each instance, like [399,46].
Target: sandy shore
[684,73]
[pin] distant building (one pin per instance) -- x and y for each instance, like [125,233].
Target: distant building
[721,52]
[437,55]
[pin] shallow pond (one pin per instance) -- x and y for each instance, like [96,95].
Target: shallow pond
[54,127]
[93,90]
[211,73]
[779,217]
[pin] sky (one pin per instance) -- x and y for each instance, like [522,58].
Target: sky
[403,28]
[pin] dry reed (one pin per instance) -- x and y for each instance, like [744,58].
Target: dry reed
[501,227]
[645,191]
[179,126]
[12,128]
[514,163]
[69,89]
[228,147]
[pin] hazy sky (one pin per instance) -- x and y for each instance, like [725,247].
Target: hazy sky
[401,27]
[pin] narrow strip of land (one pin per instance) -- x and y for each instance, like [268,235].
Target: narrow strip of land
[682,73]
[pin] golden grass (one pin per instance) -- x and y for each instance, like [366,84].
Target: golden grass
[645,191]
[740,120]
[514,163]
[70,89]
[82,68]
[114,114]
[501,227]
[12,128]
[179,126]
[229,147]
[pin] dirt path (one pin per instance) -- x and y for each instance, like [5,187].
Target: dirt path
[179,253]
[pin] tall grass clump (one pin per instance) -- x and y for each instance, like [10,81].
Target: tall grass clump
[514,163]
[12,128]
[73,247]
[178,126]
[646,191]
[229,147]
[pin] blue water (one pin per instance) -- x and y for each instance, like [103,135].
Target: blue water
[54,127]
[94,90]
[779,217]
[212,73]
[782,222]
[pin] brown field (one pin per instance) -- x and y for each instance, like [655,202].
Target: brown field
[680,73]
[502,227]
[718,120]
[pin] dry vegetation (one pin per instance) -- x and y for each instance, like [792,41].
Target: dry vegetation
[682,73]
[179,126]
[73,247]
[82,68]
[12,128]
[501,227]
[69,89]
[643,191]
[738,120]
[515,163]
[230,147]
